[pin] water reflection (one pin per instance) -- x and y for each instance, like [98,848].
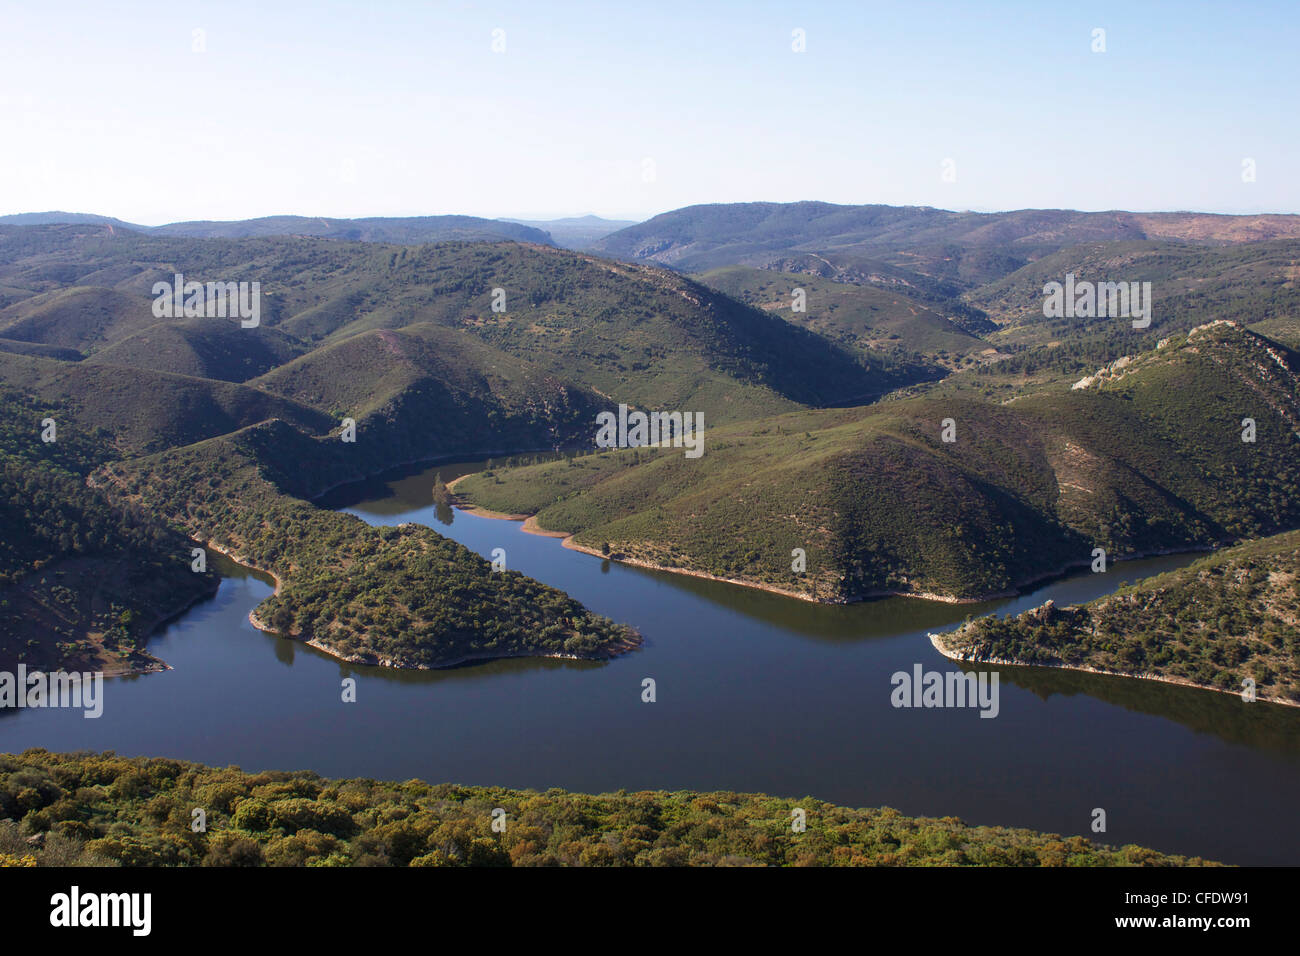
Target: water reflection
[1263,726]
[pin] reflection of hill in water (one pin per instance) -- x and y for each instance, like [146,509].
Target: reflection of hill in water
[1270,727]
[895,616]
[882,617]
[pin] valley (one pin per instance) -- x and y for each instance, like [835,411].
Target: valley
[915,449]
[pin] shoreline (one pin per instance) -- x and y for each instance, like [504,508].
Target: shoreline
[935,641]
[618,650]
[530,527]
[623,647]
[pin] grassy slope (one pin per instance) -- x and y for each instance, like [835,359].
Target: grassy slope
[104,809]
[77,318]
[1232,615]
[146,411]
[874,321]
[428,390]
[202,348]
[1281,329]
[1190,285]
[1147,459]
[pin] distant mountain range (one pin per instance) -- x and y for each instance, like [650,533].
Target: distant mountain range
[937,252]
[411,230]
[573,233]
[899,243]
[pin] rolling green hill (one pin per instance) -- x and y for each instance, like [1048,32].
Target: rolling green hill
[870,319]
[143,411]
[632,333]
[78,318]
[202,348]
[429,391]
[1144,458]
[1230,616]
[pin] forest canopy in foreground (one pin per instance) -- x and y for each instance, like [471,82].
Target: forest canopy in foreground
[101,809]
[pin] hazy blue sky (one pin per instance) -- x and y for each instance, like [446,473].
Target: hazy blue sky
[402,108]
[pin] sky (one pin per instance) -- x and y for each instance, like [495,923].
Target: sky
[627,109]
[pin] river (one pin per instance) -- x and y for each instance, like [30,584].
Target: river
[755,692]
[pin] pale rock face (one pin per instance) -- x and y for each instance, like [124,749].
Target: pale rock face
[1210,325]
[1103,373]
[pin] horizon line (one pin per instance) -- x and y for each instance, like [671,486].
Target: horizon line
[526,219]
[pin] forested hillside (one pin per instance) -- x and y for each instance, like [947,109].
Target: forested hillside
[926,338]
[105,810]
[1142,458]
[1231,616]
[401,597]
[635,333]
[83,579]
